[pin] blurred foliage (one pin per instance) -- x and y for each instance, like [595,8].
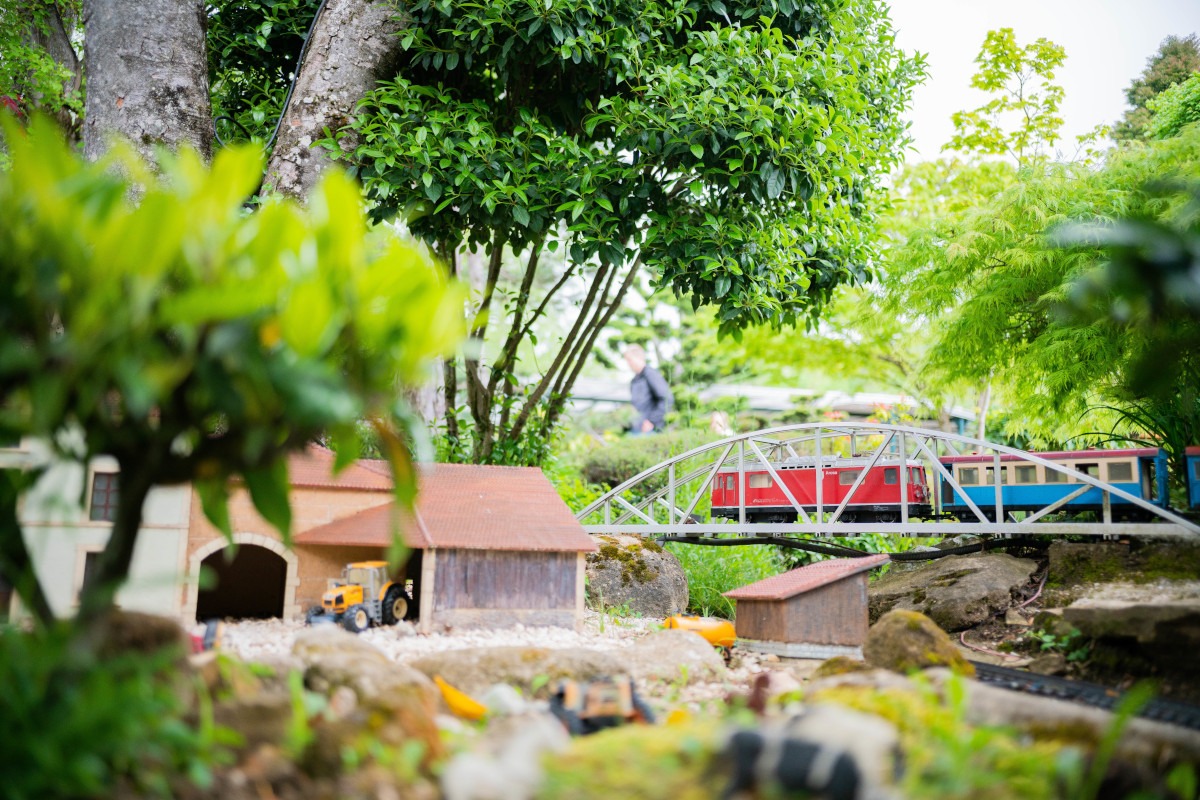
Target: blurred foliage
[78,726]
[630,455]
[1146,290]
[713,570]
[193,342]
[253,48]
[989,285]
[1177,58]
[1175,108]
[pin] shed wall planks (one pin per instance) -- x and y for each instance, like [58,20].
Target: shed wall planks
[832,614]
[498,579]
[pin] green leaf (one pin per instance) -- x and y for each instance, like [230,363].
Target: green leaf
[269,491]
[698,150]
[521,215]
[214,500]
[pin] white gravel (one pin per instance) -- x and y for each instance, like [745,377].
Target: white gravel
[270,641]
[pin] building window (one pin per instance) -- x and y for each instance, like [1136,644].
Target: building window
[968,476]
[1092,470]
[1120,471]
[990,475]
[1025,473]
[891,476]
[104,497]
[760,480]
[1054,476]
[847,476]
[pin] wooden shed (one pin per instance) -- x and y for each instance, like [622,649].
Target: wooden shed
[816,611]
[495,546]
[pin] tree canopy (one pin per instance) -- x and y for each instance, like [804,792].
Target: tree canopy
[1178,57]
[731,150]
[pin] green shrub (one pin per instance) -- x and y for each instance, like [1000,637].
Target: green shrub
[627,457]
[712,571]
[74,726]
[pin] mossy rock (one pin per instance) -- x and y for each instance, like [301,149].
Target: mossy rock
[903,641]
[637,576]
[648,762]
[839,665]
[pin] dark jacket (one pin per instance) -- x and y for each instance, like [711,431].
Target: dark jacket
[651,398]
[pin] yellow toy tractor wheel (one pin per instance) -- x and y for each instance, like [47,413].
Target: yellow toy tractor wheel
[356,619]
[395,605]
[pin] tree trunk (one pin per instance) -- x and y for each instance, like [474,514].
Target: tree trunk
[353,44]
[147,75]
[985,401]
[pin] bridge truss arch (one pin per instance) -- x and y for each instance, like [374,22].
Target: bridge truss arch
[671,498]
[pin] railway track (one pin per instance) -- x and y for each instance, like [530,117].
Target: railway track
[1159,710]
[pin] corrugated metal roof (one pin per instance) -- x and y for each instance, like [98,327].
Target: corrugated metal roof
[806,578]
[470,507]
[370,528]
[313,469]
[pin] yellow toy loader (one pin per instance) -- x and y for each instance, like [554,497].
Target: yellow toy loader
[363,596]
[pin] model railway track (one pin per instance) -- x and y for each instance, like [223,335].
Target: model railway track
[1159,710]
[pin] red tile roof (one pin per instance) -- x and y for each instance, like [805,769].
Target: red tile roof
[470,507]
[313,469]
[806,578]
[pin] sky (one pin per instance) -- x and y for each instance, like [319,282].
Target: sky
[1107,44]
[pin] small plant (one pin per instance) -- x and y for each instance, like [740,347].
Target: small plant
[1072,644]
[712,571]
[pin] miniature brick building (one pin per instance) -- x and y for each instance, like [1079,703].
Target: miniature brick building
[495,546]
[816,611]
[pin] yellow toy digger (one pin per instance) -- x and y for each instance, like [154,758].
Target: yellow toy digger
[363,596]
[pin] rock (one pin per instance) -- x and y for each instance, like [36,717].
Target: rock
[1048,664]
[506,764]
[956,592]
[1051,620]
[133,631]
[906,640]
[474,670]
[839,665]
[260,720]
[636,573]
[321,640]
[1166,634]
[1050,718]
[1072,563]
[1016,618]
[673,655]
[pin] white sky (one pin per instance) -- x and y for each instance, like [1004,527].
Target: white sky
[1107,44]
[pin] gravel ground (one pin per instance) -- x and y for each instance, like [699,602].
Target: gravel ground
[270,641]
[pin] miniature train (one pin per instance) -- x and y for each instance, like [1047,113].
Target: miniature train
[889,483]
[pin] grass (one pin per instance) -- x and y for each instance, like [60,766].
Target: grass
[712,571]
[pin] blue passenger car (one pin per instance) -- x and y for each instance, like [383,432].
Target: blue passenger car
[1025,486]
[1192,456]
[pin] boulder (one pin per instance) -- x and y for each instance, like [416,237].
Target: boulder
[317,641]
[1166,634]
[636,573]
[133,631]
[903,641]
[474,670]
[673,655]
[506,763]
[956,592]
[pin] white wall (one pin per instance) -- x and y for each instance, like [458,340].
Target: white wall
[59,534]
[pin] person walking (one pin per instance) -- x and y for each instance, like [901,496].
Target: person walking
[648,391]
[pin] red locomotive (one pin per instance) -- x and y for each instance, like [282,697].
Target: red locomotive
[877,498]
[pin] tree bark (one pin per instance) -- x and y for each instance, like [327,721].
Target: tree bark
[147,75]
[353,45]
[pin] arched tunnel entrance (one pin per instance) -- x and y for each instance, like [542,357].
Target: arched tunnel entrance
[250,586]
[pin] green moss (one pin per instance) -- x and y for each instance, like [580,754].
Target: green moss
[636,761]
[839,665]
[652,546]
[633,566]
